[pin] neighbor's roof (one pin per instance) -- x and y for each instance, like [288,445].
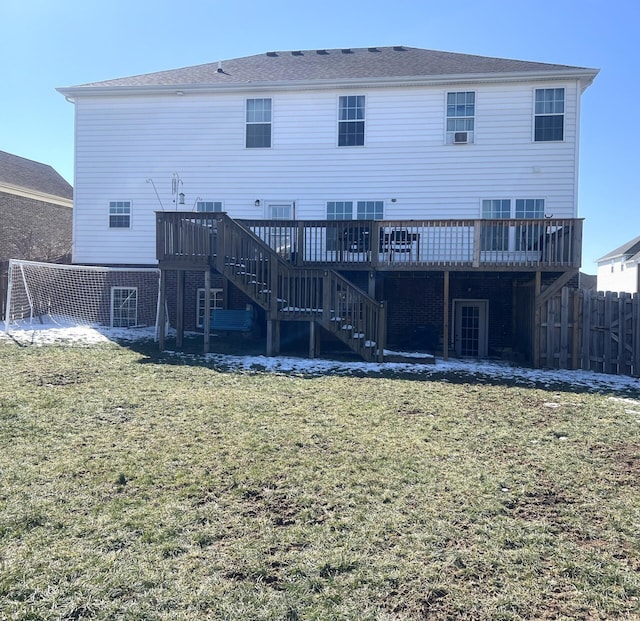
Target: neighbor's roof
[630,251]
[20,173]
[339,65]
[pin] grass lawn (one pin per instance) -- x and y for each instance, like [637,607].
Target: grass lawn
[134,487]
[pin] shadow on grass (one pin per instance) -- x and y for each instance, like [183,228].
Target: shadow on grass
[343,363]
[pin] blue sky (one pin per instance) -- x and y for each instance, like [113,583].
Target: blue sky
[51,43]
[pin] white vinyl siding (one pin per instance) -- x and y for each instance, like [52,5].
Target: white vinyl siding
[123,141]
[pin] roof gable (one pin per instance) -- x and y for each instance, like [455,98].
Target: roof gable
[630,250]
[376,63]
[19,172]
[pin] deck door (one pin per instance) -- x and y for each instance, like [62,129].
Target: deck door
[471,327]
[281,237]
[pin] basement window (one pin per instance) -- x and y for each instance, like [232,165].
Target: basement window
[124,307]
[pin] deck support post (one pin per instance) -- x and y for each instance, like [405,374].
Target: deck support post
[206,320]
[162,293]
[180,309]
[445,322]
[273,337]
[312,339]
[536,320]
[372,285]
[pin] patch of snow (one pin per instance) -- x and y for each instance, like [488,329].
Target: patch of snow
[57,334]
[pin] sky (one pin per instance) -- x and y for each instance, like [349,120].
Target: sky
[54,43]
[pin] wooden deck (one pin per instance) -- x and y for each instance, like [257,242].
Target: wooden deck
[192,239]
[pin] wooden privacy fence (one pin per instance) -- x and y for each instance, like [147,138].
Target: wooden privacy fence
[591,330]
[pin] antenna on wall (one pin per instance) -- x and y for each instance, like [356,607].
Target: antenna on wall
[156,191]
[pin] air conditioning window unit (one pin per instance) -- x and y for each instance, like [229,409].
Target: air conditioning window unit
[461,137]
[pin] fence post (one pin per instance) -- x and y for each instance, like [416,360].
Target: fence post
[635,371]
[577,324]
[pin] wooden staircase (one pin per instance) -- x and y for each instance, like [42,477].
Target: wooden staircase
[293,293]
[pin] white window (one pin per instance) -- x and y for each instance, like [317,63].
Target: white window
[280,210]
[505,236]
[461,112]
[337,210]
[351,121]
[208,206]
[216,304]
[258,133]
[119,214]
[124,307]
[549,115]
[370,210]
[340,210]
[495,236]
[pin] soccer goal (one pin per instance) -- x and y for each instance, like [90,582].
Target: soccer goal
[77,295]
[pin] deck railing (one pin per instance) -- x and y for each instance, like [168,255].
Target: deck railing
[536,244]
[553,243]
[294,293]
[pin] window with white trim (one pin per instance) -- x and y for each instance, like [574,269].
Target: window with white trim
[351,121]
[215,301]
[370,210]
[528,235]
[258,119]
[502,237]
[280,211]
[549,115]
[461,114]
[124,307]
[119,214]
[495,236]
[208,206]
[337,210]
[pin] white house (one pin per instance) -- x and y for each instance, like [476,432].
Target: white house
[462,171]
[618,270]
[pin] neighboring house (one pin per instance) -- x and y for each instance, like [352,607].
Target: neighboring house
[441,184]
[35,211]
[618,270]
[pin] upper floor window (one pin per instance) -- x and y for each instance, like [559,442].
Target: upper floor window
[549,114]
[258,123]
[119,214]
[351,121]
[370,210]
[461,112]
[208,206]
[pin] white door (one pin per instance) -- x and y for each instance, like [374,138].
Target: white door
[281,238]
[471,327]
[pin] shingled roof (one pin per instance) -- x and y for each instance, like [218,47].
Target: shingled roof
[629,251]
[19,172]
[375,63]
